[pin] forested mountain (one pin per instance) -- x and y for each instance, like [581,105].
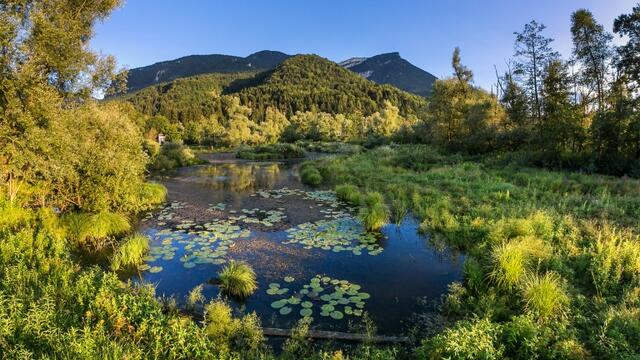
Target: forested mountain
[312,83]
[301,83]
[392,69]
[382,69]
[165,71]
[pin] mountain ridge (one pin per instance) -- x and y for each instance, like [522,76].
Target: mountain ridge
[388,68]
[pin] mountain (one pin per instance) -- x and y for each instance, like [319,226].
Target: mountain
[392,69]
[300,83]
[166,71]
[310,82]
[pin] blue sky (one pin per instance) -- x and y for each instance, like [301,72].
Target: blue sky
[424,32]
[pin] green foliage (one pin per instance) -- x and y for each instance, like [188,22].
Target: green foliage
[130,252]
[349,194]
[227,332]
[476,339]
[374,213]
[94,230]
[271,152]
[172,156]
[310,175]
[238,279]
[544,296]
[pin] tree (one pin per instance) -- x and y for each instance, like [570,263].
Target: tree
[533,52]
[561,128]
[591,48]
[273,126]
[628,25]
[462,73]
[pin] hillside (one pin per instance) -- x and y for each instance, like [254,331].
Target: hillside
[300,83]
[394,70]
[165,71]
[310,82]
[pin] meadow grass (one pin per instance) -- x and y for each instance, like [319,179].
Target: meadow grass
[238,279]
[374,213]
[543,295]
[130,252]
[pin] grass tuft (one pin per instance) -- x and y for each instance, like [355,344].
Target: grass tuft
[544,296]
[131,252]
[238,279]
[374,214]
[349,194]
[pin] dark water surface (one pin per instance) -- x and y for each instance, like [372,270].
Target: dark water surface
[387,276]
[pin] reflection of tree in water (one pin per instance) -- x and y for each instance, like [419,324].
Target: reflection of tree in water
[240,177]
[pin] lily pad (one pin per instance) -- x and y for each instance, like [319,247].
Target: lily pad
[285,310]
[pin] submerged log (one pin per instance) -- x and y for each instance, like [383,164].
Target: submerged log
[335,335]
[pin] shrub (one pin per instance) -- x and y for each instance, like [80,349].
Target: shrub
[271,152]
[374,213]
[544,296]
[349,194]
[238,279]
[520,338]
[477,339]
[225,331]
[131,252]
[173,155]
[310,175]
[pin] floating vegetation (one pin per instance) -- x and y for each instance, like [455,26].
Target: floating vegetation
[331,297]
[168,212]
[257,216]
[202,244]
[218,207]
[337,235]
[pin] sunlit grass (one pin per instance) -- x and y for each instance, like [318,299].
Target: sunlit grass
[374,214]
[238,279]
[349,194]
[544,295]
[95,229]
[130,252]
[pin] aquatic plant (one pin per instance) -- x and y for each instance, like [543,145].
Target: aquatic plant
[340,234]
[375,213]
[95,229]
[349,194]
[336,298]
[543,295]
[195,297]
[130,252]
[310,175]
[238,279]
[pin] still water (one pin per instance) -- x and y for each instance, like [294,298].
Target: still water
[310,253]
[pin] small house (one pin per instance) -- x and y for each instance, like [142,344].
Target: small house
[161,138]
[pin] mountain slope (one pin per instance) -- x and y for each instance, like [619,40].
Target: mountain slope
[310,82]
[201,64]
[300,83]
[392,69]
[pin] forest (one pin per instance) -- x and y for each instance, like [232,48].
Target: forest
[535,182]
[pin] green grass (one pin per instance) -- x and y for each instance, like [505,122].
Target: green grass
[95,230]
[374,213]
[130,252]
[310,175]
[349,194]
[271,152]
[238,279]
[544,296]
[561,247]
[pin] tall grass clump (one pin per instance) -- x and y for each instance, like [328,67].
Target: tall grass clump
[95,229]
[374,213]
[238,279]
[513,258]
[130,253]
[614,259]
[349,194]
[310,175]
[543,295]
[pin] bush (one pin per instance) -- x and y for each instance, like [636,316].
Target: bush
[310,175]
[477,339]
[349,194]
[238,279]
[271,152]
[131,252]
[229,333]
[173,155]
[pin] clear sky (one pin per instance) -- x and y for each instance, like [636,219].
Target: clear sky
[424,32]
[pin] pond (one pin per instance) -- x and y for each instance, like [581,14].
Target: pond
[311,255]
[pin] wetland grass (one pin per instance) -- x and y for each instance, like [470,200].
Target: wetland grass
[375,213]
[349,194]
[238,279]
[131,252]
